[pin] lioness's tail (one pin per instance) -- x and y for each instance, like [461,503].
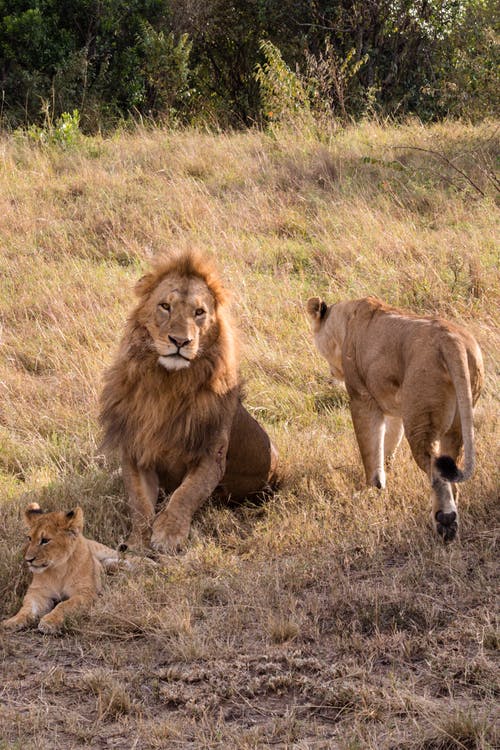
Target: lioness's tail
[455,356]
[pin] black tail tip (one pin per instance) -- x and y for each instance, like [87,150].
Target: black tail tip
[448,469]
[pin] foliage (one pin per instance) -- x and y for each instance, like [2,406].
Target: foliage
[65,132]
[186,58]
[322,90]
[281,89]
[467,66]
[330,80]
[166,69]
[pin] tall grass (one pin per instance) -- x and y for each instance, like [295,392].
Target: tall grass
[329,614]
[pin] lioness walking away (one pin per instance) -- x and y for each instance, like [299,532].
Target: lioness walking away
[420,376]
[171,403]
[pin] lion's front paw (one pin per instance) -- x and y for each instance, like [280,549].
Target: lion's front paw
[50,625]
[138,540]
[13,624]
[446,525]
[169,532]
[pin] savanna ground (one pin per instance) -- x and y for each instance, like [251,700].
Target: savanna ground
[328,616]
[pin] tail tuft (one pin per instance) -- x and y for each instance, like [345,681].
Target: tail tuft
[448,469]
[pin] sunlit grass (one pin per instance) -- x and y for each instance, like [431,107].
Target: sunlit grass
[329,612]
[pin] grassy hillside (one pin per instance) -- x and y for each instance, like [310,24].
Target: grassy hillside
[328,617]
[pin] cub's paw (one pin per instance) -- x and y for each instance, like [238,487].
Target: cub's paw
[446,525]
[50,625]
[12,624]
[169,533]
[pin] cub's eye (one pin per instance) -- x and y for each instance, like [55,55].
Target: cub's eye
[44,540]
[199,312]
[164,306]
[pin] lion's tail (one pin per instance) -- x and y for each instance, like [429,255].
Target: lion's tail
[455,356]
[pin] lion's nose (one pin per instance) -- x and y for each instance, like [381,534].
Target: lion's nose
[179,342]
[29,559]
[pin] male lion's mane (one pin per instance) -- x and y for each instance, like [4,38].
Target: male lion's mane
[150,412]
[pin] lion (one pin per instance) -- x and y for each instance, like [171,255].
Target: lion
[406,374]
[66,569]
[171,404]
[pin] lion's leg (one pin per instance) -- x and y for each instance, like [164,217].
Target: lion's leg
[444,514]
[369,426]
[424,428]
[171,526]
[35,605]
[142,488]
[54,620]
[444,499]
[252,460]
[452,445]
[394,432]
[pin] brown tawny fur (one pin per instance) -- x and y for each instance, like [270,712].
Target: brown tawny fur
[66,569]
[405,373]
[171,402]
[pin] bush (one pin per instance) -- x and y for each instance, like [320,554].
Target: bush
[65,132]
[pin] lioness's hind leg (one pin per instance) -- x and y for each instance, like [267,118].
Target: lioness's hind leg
[444,513]
[394,432]
[424,427]
[445,494]
[452,445]
[369,426]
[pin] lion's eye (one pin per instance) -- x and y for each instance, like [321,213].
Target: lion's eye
[44,540]
[199,312]
[164,306]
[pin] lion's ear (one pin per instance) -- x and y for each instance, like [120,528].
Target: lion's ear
[144,285]
[31,513]
[316,308]
[74,521]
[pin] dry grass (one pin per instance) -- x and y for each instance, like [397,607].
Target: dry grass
[327,617]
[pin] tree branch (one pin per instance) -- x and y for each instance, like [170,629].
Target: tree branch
[446,161]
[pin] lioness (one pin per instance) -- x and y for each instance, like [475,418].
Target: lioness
[66,569]
[171,403]
[405,373]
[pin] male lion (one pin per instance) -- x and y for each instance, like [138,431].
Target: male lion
[405,373]
[66,569]
[171,403]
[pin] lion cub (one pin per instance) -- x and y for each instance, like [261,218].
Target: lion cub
[420,376]
[66,569]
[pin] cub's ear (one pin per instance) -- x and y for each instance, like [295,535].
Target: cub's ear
[74,521]
[144,285]
[316,308]
[31,513]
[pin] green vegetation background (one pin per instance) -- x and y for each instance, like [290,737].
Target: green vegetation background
[191,61]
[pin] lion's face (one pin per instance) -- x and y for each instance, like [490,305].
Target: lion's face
[180,317]
[51,537]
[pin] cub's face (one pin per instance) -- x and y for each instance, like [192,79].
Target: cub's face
[51,537]
[180,317]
